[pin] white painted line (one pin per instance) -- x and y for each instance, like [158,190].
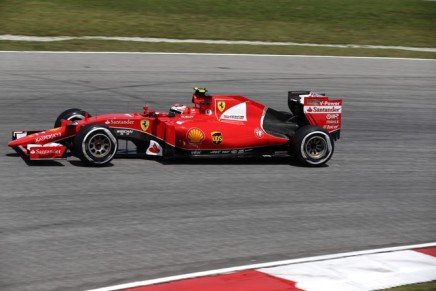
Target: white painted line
[8,37]
[264,265]
[215,54]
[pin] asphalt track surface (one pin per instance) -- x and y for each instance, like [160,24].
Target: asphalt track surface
[67,227]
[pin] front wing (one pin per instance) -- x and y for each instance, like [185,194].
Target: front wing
[49,151]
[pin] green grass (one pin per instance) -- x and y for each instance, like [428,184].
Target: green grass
[430,286]
[95,45]
[387,22]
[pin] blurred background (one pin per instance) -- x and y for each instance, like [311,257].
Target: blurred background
[407,23]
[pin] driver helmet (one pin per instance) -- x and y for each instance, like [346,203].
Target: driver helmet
[178,108]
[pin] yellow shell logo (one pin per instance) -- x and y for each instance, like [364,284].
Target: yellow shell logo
[145,124]
[195,135]
[221,105]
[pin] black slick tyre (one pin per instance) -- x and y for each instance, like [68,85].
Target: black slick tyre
[72,114]
[95,145]
[312,146]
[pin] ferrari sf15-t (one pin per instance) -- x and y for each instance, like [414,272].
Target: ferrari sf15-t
[213,126]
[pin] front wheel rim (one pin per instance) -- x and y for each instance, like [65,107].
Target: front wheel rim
[99,145]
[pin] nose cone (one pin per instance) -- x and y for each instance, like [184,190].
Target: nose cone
[14,143]
[23,141]
[38,137]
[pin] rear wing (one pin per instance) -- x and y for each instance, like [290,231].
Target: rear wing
[316,109]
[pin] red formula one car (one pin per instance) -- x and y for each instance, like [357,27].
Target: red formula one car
[214,126]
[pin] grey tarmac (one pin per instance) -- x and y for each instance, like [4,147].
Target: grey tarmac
[68,227]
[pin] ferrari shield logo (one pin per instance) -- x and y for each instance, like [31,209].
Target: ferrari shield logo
[145,124]
[217,137]
[221,105]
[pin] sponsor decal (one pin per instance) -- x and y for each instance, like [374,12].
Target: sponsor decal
[329,103]
[217,137]
[331,127]
[195,135]
[313,102]
[234,117]
[221,105]
[187,116]
[322,109]
[334,121]
[258,132]
[46,151]
[48,137]
[228,152]
[208,112]
[332,116]
[196,152]
[145,124]
[237,112]
[154,149]
[124,131]
[119,122]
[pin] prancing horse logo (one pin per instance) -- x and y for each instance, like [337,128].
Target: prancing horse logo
[145,124]
[221,105]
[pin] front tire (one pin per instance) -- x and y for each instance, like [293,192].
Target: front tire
[95,145]
[312,146]
[72,114]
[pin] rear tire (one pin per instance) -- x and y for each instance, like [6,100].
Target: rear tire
[95,145]
[72,114]
[312,146]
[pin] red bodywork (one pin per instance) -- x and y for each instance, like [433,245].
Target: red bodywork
[212,126]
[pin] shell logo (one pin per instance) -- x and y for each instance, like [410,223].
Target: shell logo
[195,135]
